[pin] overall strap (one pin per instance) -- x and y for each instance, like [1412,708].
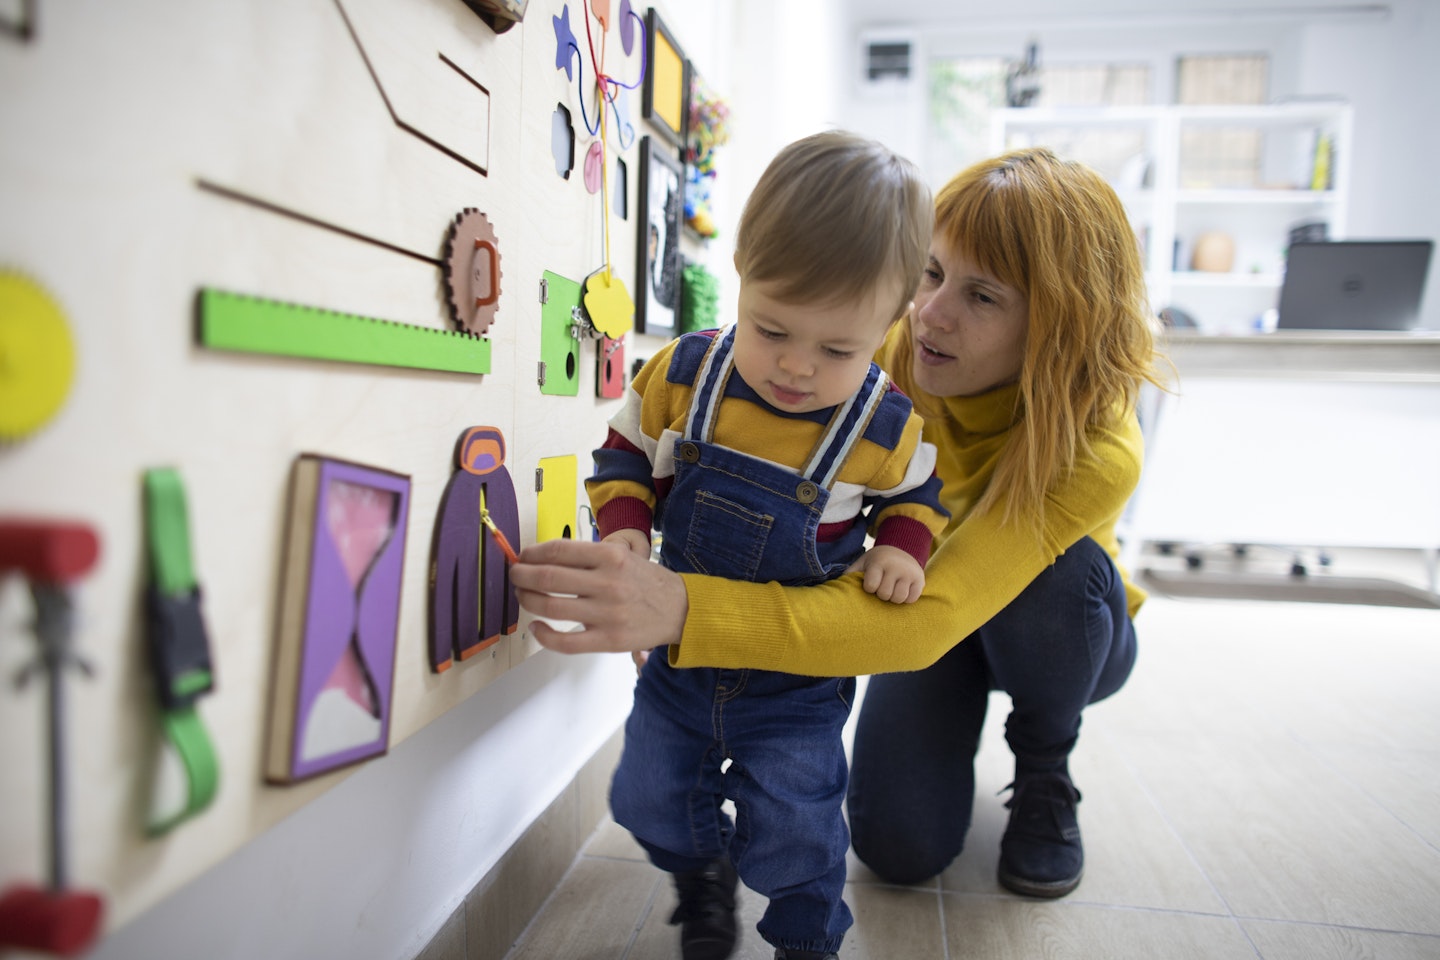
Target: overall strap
[846,427]
[709,387]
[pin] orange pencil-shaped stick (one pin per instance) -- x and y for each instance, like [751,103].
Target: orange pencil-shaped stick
[496,532]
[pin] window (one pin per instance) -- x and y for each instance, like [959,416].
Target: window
[964,90]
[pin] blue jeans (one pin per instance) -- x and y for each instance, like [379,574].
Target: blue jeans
[786,776]
[729,514]
[1064,643]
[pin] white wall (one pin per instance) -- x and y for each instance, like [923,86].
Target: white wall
[1390,72]
[371,868]
[110,114]
[777,62]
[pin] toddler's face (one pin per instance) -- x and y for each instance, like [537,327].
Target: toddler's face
[804,357]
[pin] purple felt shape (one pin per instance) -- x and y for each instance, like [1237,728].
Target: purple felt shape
[500,608]
[564,40]
[457,607]
[454,596]
[627,27]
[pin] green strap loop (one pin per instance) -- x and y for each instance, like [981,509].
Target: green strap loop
[168,531]
[186,733]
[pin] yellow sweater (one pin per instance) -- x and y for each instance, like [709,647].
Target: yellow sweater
[836,629]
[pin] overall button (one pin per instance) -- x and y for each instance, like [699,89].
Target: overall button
[689,452]
[806,492]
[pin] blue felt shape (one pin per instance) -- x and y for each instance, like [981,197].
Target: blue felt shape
[623,130]
[562,141]
[564,40]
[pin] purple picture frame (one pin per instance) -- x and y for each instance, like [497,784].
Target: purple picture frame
[339,613]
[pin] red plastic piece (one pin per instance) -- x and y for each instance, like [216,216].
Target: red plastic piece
[48,552]
[61,922]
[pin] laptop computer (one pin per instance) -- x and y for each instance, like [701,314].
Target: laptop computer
[1354,284]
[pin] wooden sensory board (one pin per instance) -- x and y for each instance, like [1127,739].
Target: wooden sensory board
[309,152]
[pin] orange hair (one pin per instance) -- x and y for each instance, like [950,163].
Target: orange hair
[1056,231]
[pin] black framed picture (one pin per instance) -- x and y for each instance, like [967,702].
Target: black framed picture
[19,21]
[666,99]
[661,193]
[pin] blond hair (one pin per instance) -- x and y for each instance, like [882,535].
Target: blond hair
[1056,231]
[833,216]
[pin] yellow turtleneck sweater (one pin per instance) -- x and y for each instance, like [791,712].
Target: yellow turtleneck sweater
[980,565]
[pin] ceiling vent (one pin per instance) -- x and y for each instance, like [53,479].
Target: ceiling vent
[889,62]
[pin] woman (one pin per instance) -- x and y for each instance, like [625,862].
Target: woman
[1025,350]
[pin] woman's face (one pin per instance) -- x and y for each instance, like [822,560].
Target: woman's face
[969,328]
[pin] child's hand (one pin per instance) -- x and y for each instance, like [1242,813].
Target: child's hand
[637,540]
[891,574]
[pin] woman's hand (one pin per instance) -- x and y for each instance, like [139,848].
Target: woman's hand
[623,601]
[640,543]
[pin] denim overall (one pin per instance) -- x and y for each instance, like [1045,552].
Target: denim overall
[768,741]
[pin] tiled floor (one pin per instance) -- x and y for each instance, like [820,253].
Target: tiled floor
[1267,785]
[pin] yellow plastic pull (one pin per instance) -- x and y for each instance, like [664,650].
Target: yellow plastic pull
[495,531]
[609,305]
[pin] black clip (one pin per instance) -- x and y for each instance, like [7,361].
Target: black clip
[179,648]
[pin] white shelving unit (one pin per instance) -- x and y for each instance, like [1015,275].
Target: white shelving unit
[1258,183]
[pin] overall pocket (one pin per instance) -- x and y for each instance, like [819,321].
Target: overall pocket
[726,539]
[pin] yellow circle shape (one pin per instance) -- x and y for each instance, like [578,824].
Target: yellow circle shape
[37,356]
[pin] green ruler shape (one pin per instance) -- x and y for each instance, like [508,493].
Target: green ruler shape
[232,321]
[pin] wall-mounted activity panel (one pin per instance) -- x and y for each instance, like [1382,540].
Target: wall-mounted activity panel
[313,233]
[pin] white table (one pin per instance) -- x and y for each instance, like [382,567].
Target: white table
[1302,439]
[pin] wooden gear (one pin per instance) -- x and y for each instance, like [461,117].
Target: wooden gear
[471,265]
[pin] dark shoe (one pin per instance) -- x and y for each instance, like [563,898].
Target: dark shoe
[706,913]
[782,954]
[1040,854]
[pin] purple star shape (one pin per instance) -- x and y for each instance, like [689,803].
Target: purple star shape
[564,37]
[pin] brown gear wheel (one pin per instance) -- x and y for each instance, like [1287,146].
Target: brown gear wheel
[471,265]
